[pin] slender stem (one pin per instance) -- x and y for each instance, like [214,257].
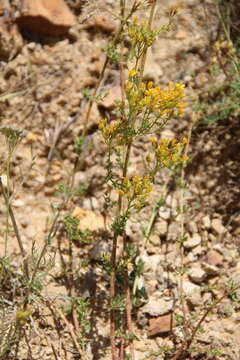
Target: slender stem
[7,204]
[144,56]
[116,40]
[186,345]
[44,249]
[16,231]
[127,291]
[181,248]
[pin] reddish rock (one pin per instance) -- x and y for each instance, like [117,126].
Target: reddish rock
[51,17]
[161,325]
[101,22]
[214,258]
[113,94]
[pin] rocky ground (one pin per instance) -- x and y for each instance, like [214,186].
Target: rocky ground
[43,78]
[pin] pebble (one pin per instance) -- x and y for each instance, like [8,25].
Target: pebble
[161,227]
[218,227]
[157,307]
[189,288]
[197,274]
[18,203]
[161,324]
[173,231]
[211,269]
[214,258]
[206,222]
[193,241]
[165,213]
[151,263]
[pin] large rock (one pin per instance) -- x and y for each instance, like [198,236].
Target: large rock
[161,324]
[51,17]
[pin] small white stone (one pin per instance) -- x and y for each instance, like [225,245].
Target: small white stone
[165,213]
[189,288]
[151,263]
[157,307]
[161,227]
[197,274]
[218,227]
[206,222]
[18,203]
[193,241]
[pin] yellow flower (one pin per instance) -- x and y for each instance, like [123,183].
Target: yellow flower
[132,73]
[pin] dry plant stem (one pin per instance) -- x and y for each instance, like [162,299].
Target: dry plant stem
[16,231]
[128,300]
[120,199]
[122,349]
[5,97]
[69,327]
[144,56]
[44,249]
[71,287]
[227,34]
[28,345]
[186,345]
[150,225]
[182,229]
[71,331]
[115,42]
[113,262]
[112,296]
[126,278]
[7,205]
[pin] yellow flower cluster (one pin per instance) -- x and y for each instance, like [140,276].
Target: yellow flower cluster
[146,97]
[140,33]
[109,131]
[168,152]
[158,100]
[137,189]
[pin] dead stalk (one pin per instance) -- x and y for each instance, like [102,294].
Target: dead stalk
[16,231]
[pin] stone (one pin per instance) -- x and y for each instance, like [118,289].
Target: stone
[151,263]
[211,269]
[189,288]
[197,274]
[192,293]
[173,231]
[154,240]
[218,227]
[161,325]
[181,35]
[113,94]
[192,227]
[193,241]
[161,227]
[214,258]
[206,222]
[101,22]
[165,213]
[157,307]
[18,203]
[153,70]
[50,17]
[88,219]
